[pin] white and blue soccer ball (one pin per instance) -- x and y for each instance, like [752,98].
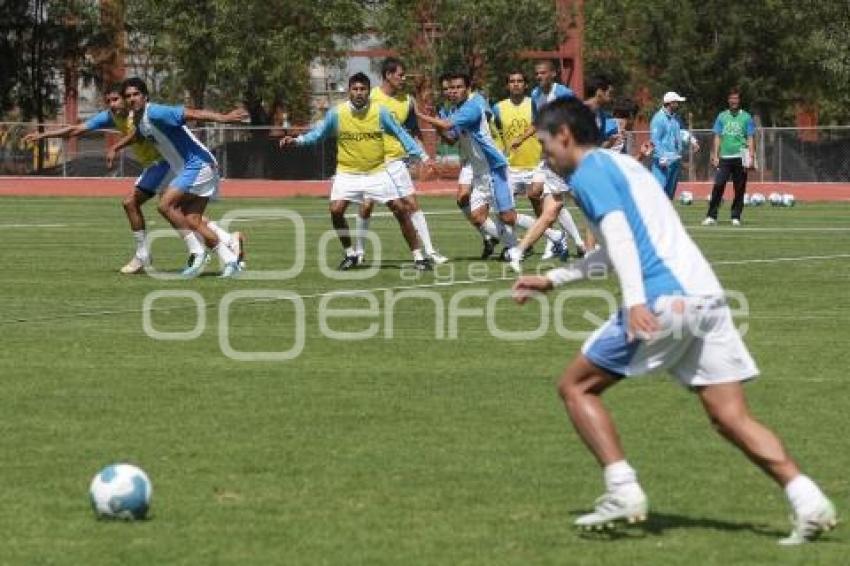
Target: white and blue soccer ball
[775,199]
[686,198]
[121,491]
[757,199]
[748,200]
[788,199]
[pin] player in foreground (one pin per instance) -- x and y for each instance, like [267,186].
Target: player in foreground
[674,317]
[360,127]
[153,178]
[196,177]
[390,94]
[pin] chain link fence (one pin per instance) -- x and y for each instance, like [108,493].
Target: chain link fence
[244,152]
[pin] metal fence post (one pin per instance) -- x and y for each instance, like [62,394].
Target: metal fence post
[779,156]
[64,158]
[761,155]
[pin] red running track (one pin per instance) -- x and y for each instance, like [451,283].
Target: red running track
[256,188]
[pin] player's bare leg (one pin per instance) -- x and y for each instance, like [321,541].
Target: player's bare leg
[485,226]
[193,208]
[132,204]
[420,224]
[337,209]
[726,406]
[402,215]
[364,215]
[580,388]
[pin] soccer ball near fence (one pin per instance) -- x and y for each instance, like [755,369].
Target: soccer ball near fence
[775,199]
[757,199]
[686,198]
[121,491]
[788,199]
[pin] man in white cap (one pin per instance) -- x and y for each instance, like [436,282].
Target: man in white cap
[669,139]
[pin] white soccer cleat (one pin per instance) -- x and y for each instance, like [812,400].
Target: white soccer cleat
[135,266]
[548,251]
[809,527]
[360,257]
[237,246]
[230,270]
[515,259]
[437,258]
[736,222]
[630,507]
[709,221]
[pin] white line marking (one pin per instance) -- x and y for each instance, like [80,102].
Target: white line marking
[37,225]
[354,292]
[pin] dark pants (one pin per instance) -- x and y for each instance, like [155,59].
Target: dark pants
[733,167]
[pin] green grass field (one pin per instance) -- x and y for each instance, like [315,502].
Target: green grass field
[401,449]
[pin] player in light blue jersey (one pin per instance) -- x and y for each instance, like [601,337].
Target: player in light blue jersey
[674,316]
[471,123]
[669,140]
[196,171]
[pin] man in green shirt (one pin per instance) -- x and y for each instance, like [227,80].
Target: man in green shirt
[733,154]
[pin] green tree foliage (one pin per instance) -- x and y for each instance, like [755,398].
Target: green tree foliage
[775,50]
[37,38]
[253,51]
[484,37]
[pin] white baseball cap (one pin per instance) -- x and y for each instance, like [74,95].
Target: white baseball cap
[673,97]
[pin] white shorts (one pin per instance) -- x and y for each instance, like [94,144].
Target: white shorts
[553,184]
[200,181]
[399,178]
[482,193]
[697,343]
[520,180]
[357,187]
[465,175]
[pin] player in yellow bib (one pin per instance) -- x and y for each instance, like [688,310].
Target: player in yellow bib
[390,95]
[513,116]
[361,128]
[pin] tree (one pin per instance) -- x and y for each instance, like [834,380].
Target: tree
[484,37]
[37,39]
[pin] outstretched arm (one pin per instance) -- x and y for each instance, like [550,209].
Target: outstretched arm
[201,115]
[390,126]
[121,144]
[322,130]
[64,132]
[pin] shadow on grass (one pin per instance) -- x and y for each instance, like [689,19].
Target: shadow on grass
[659,523]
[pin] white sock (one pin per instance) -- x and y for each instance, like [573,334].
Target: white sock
[193,244]
[620,476]
[489,229]
[224,237]
[225,254]
[417,255]
[804,495]
[566,220]
[508,235]
[554,235]
[421,225]
[524,221]
[141,239]
[349,252]
[361,226]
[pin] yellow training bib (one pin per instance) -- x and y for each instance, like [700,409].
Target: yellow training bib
[146,152]
[516,119]
[360,140]
[399,107]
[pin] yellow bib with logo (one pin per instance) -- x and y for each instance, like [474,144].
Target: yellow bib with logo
[146,152]
[516,119]
[360,140]
[399,107]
